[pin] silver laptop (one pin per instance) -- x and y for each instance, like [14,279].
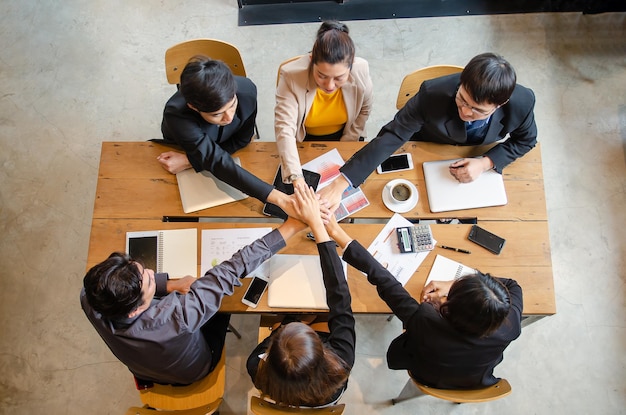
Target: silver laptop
[445,193]
[202,190]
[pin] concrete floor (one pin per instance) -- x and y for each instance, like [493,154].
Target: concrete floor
[77,72]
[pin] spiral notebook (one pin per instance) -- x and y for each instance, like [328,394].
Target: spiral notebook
[174,251]
[445,269]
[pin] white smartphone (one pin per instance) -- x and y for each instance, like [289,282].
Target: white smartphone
[396,162]
[255,291]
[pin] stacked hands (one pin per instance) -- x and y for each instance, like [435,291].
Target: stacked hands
[306,208]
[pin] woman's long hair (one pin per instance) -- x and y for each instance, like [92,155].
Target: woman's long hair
[298,369]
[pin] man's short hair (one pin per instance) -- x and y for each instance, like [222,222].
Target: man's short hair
[489,78]
[113,287]
[207,84]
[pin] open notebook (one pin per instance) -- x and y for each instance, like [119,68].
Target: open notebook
[296,282]
[445,269]
[174,251]
[445,193]
[202,190]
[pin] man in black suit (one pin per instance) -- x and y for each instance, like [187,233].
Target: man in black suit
[210,117]
[481,105]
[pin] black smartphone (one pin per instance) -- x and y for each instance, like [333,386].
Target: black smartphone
[486,239]
[310,177]
[255,291]
[396,162]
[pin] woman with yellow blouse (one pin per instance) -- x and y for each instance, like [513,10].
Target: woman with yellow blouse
[325,95]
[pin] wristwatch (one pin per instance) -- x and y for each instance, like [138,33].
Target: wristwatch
[293,177]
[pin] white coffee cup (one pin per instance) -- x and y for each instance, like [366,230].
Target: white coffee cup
[401,192]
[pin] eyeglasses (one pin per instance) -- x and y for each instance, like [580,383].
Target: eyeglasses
[480,112]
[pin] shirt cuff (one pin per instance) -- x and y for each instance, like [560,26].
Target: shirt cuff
[160,280]
[274,241]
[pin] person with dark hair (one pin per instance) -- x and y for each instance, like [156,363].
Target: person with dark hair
[482,105]
[457,335]
[295,365]
[211,116]
[168,331]
[325,95]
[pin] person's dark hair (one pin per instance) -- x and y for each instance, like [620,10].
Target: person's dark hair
[298,369]
[207,84]
[489,78]
[113,287]
[333,44]
[477,304]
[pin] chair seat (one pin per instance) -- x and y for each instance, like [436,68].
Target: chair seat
[259,406]
[202,393]
[490,393]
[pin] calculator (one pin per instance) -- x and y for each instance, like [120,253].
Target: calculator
[417,238]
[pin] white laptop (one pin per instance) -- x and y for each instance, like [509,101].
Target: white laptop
[296,282]
[202,190]
[445,193]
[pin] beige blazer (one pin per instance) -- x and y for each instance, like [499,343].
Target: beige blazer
[294,96]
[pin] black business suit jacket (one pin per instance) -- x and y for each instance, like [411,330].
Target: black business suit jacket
[209,146]
[432,115]
[433,351]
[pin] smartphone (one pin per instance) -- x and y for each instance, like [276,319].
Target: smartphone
[255,291]
[486,239]
[396,162]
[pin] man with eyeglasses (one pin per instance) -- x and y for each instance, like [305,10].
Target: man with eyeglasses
[481,105]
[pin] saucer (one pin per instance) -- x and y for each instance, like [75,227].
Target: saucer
[400,207]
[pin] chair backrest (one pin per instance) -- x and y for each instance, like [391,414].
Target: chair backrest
[178,56]
[205,392]
[259,406]
[490,393]
[412,82]
[284,63]
[202,410]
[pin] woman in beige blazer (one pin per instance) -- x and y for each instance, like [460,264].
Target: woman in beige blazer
[331,69]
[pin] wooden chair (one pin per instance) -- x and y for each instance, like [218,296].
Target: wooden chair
[259,406]
[271,322]
[178,56]
[490,393]
[284,63]
[412,82]
[199,398]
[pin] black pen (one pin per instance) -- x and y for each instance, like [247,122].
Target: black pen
[465,251]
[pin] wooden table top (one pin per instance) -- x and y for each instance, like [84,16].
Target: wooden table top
[134,193]
[132,184]
[528,263]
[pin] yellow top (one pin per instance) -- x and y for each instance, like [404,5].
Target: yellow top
[327,115]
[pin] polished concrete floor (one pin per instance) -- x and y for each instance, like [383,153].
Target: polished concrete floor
[78,72]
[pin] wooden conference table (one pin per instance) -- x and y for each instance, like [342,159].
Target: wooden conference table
[134,193]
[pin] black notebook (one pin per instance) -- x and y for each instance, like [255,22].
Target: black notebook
[310,177]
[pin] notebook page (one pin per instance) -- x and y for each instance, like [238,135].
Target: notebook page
[445,269]
[178,252]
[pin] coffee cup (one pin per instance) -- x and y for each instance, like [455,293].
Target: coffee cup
[401,192]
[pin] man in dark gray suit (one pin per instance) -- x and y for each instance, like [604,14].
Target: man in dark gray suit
[481,105]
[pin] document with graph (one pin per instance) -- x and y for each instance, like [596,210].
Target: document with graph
[327,165]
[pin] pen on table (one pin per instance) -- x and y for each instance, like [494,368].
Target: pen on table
[465,251]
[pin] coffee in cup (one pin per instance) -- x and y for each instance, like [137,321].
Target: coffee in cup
[401,192]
